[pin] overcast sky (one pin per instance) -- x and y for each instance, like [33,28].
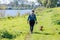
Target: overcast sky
[8,1]
[5,1]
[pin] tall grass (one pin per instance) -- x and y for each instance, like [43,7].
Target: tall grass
[16,28]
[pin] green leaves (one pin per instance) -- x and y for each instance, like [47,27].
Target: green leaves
[49,3]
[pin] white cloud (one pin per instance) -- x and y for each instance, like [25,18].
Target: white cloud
[5,1]
[32,0]
[8,1]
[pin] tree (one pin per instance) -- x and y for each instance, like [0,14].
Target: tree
[49,3]
[52,3]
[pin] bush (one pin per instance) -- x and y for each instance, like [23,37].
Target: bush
[55,18]
[57,22]
[10,17]
[6,34]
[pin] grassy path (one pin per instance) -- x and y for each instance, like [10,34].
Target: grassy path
[28,36]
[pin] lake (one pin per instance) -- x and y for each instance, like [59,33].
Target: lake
[14,12]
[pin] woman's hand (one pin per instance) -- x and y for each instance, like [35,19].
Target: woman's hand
[36,22]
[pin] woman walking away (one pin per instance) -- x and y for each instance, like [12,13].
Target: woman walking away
[32,20]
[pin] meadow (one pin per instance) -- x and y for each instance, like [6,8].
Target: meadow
[17,28]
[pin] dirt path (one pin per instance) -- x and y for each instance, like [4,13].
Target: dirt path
[28,36]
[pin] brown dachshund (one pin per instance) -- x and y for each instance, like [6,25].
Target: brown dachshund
[41,28]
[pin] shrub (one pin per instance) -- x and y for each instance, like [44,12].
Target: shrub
[57,22]
[6,34]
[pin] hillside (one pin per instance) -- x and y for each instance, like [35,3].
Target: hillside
[17,28]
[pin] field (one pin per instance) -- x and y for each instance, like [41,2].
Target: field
[17,28]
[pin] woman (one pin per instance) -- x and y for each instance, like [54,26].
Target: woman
[32,19]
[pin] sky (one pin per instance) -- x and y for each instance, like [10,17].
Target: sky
[33,0]
[8,1]
[5,1]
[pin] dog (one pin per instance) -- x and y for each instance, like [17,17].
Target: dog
[41,28]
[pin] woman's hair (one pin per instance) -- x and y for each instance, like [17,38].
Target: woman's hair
[32,10]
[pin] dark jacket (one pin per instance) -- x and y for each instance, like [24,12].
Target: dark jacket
[32,17]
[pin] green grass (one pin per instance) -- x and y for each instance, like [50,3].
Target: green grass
[19,28]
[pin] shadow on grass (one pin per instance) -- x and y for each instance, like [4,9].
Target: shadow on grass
[42,33]
[36,33]
[58,32]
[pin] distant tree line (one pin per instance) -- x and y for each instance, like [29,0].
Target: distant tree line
[48,3]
